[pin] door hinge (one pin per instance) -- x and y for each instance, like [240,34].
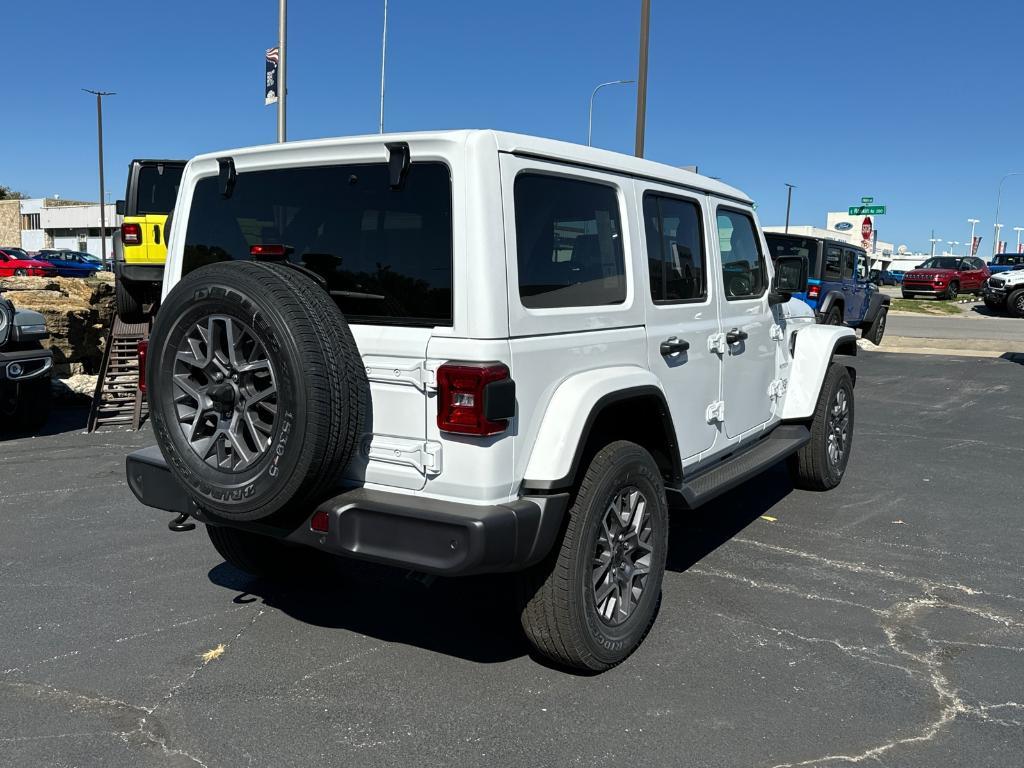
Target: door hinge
[424,456]
[776,333]
[717,343]
[716,412]
[777,389]
[419,374]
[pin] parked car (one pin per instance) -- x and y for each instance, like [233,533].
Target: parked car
[1004,262]
[13,263]
[946,277]
[24,369]
[883,277]
[71,263]
[839,286]
[141,249]
[370,338]
[1005,292]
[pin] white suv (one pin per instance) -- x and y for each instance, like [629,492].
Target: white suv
[471,351]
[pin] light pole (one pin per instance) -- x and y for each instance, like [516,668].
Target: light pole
[383,61]
[590,112]
[789,201]
[970,243]
[1018,230]
[933,241]
[99,136]
[999,198]
[952,247]
[282,71]
[641,89]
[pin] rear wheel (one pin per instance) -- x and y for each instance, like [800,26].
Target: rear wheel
[877,329]
[834,317]
[257,555]
[820,464]
[1015,303]
[128,302]
[591,602]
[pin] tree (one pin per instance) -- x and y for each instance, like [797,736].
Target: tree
[7,193]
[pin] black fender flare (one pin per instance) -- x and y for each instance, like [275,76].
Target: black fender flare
[878,301]
[831,299]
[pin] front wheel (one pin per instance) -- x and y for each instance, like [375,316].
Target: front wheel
[953,291]
[591,602]
[20,273]
[820,464]
[992,303]
[1015,303]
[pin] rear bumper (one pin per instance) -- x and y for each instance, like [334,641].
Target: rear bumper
[429,535]
[32,362]
[139,273]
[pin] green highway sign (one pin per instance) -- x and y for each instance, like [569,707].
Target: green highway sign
[867,200]
[867,210]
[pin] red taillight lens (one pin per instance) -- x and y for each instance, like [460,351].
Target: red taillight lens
[321,521]
[269,250]
[474,398]
[813,291]
[131,234]
[143,356]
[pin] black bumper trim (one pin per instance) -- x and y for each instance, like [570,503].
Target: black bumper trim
[423,534]
[139,273]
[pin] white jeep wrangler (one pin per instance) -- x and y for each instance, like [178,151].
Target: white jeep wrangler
[468,352]
[1004,291]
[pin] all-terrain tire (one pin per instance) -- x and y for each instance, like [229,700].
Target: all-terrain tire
[812,468]
[317,385]
[1015,303]
[255,554]
[876,331]
[834,317]
[558,599]
[128,303]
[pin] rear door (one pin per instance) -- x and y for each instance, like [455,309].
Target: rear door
[153,190]
[748,349]
[682,311]
[852,292]
[383,254]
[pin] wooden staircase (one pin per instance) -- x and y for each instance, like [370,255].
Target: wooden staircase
[118,400]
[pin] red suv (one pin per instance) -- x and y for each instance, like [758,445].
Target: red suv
[945,277]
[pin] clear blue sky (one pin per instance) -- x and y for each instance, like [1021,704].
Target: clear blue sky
[915,102]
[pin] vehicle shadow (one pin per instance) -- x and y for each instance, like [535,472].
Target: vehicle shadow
[61,421]
[472,618]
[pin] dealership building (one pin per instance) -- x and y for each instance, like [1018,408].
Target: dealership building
[839,225]
[49,222]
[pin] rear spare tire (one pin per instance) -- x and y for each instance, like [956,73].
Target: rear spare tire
[257,391]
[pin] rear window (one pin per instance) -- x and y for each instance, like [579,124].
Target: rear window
[384,255]
[157,188]
[788,245]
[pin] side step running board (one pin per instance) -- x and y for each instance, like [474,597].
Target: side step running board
[733,471]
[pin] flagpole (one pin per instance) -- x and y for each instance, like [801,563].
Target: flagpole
[383,60]
[282,89]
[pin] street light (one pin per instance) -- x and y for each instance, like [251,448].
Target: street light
[933,241]
[970,243]
[789,201]
[99,135]
[1018,230]
[952,247]
[590,113]
[999,198]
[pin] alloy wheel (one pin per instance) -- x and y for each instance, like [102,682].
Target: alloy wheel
[622,557]
[838,429]
[225,393]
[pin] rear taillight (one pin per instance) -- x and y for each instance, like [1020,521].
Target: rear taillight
[143,356]
[131,234]
[474,398]
[813,291]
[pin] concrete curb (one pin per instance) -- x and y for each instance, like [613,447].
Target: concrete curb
[1011,350]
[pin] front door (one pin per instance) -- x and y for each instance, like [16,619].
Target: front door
[682,313]
[749,350]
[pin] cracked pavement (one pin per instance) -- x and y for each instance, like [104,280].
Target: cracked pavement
[879,624]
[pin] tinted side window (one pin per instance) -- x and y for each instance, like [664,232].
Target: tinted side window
[384,254]
[862,265]
[833,263]
[790,245]
[675,249]
[569,243]
[157,188]
[849,263]
[744,274]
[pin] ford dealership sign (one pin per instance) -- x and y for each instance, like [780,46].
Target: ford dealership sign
[843,226]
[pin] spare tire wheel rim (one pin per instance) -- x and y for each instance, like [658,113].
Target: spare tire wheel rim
[225,393]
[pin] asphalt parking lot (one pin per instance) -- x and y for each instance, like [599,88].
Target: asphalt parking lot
[882,622]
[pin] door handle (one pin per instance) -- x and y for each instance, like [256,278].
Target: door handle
[673,346]
[156,234]
[735,335]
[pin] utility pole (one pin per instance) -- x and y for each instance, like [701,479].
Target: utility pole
[641,89]
[282,79]
[999,199]
[99,135]
[383,61]
[789,202]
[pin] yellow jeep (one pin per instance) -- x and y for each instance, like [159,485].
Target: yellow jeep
[141,250]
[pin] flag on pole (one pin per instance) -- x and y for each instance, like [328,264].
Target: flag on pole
[271,84]
[975,245]
[1002,247]
[1020,247]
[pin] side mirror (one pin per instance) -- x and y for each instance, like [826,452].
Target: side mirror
[790,278]
[120,207]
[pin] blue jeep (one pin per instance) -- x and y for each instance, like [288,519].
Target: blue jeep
[1004,262]
[839,287]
